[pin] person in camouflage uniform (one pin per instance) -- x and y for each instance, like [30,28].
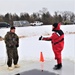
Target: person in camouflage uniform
[12,42]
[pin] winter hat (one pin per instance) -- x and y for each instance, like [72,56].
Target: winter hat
[12,28]
[55,25]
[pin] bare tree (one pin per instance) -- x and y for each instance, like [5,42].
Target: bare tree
[1,18]
[68,16]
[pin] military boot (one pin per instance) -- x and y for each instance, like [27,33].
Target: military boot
[57,67]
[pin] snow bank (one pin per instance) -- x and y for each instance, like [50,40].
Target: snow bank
[38,30]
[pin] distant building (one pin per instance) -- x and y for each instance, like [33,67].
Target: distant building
[36,23]
[21,23]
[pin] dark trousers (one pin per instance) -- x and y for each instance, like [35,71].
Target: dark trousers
[12,55]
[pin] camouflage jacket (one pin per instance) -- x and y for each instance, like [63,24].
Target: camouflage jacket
[11,40]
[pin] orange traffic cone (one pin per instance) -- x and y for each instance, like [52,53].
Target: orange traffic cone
[41,57]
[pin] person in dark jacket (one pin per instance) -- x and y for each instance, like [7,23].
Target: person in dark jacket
[12,43]
[57,40]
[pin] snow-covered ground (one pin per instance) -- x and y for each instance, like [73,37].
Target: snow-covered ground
[30,47]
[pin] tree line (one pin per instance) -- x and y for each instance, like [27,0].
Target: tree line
[66,17]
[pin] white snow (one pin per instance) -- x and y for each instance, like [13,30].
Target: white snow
[30,47]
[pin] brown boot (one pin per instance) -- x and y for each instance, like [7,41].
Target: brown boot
[10,68]
[16,66]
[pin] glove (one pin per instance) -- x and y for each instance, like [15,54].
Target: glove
[40,38]
[17,45]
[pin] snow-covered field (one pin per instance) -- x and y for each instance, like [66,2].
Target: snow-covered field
[30,47]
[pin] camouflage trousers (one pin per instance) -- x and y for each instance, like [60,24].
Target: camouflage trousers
[12,55]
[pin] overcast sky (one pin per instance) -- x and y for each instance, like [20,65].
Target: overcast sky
[30,6]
